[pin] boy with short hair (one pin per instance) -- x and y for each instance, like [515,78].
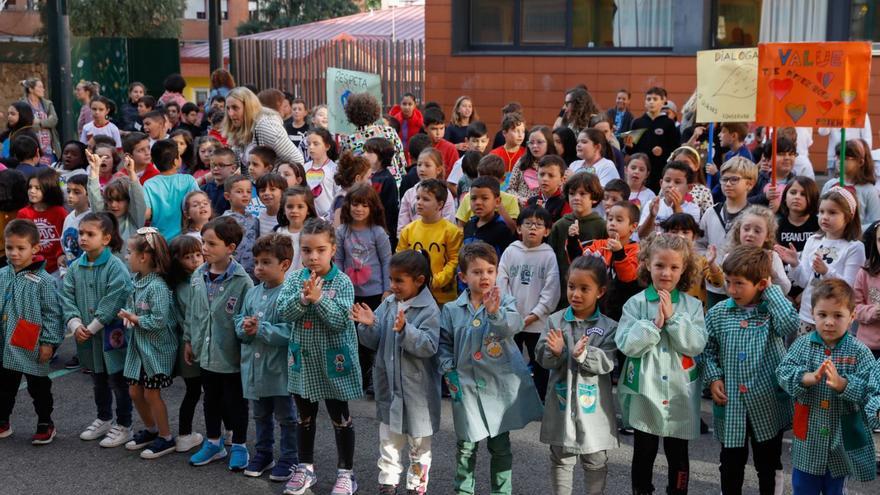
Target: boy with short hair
[661,135]
[621,256]
[26,151]
[744,347]
[513,128]
[189,119]
[486,224]
[32,328]
[551,170]
[435,127]
[616,191]
[432,229]
[145,105]
[264,339]
[271,188]
[673,198]
[733,135]
[219,289]
[167,189]
[296,126]
[137,145]
[78,202]
[477,140]
[172,113]
[154,126]
[620,116]
[237,190]
[528,272]
[491,166]
[763,193]
[224,164]
[261,161]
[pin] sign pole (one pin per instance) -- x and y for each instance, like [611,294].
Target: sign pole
[773,157]
[710,153]
[842,155]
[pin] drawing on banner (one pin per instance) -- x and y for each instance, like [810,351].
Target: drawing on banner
[727,85]
[341,85]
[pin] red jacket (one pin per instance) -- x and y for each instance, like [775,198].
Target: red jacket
[408,127]
[150,171]
[626,264]
[448,152]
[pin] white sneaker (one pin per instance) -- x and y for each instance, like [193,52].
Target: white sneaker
[117,436]
[96,430]
[185,443]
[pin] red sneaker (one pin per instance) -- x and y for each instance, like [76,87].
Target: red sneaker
[45,434]
[5,429]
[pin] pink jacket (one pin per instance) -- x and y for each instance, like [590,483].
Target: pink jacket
[867,289]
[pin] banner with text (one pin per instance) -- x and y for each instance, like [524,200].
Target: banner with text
[727,85]
[341,84]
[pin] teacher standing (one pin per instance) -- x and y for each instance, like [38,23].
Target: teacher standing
[248,124]
[45,119]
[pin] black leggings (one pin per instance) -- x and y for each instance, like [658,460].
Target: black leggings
[645,448]
[39,388]
[539,375]
[365,354]
[224,401]
[767,456]
[188,404]
[342,427]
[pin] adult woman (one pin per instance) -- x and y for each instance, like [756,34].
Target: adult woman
[362,110]
[84,92]
[45,119]
[579,107]
[173,85]
[221,84]
[128,112]
[248,124]
[463,113]
[19,118]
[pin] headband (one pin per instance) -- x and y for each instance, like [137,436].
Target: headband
[150,234]
[848,196]
[690,150]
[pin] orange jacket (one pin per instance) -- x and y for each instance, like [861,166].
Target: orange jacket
[625,263]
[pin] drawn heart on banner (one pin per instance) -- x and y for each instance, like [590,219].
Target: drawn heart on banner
[826,105]
[780,87]
[848,95]
[825,78]
[795,111]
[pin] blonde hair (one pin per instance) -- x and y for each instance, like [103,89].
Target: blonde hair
[457,119]
[672,242]
[742,166]
[758,211]
[243,134]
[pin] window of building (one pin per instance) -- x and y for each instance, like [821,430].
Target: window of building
[198,9]
[737,23]
[865,20]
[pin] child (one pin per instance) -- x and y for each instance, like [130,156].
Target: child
[513,128]
[486,224]
[733,136]
[184,140]
[477,352]
[468,165]
[435,127]
[578,349]
[660,332]
[700,193]
[155,125]
[593,150]
[708,272]
[293,173]
[551,170]
[261,161]
[46,210]
[405,333]
[31,327]
[410,118]
[299,206]
[764,193]
[78,201]
[322,362]
[616,191]
[491,166]
[660,137]
[744,347]
[296,126]
[237,191]
[441,238]
[867,292]
[477,141]
[380,153]
[528,272]
[264,340]
[352,170]
[836,251]
[827,372]
[756,227]
[429,166]
[137,145]
[620,254]
[102,108]
[224,164]
[96,287]
[109,163]
[201,165]
[524,180]
[798,212]
[218,291]
[581,225]
[196,213]
[673,198]
[320,171]
[123,197]
[153,345]
[363,255]
[859,176]
[271,188]
[167,190]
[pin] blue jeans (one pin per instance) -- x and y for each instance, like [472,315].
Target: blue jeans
[810,484]
[106,387]
[285,414]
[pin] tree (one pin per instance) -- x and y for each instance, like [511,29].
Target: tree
[124,18]
[275,14]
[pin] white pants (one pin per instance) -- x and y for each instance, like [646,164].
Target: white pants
[390,467]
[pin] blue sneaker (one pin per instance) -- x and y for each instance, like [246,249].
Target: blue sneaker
[209,453]
[238,457]
[158,448]
[261,463]
[282,471]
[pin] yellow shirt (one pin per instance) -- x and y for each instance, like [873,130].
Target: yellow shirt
[442,240]
[508,201]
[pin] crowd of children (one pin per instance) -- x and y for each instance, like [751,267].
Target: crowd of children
[525,282]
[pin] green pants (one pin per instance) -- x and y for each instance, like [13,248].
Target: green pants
[500,466]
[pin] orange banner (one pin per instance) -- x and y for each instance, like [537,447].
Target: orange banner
[813,84]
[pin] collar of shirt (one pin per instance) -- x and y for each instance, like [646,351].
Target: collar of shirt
[652,296]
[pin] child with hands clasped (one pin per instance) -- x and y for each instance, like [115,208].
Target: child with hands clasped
[322,354]
[578,349]
[298,205]
[674,198]
[152,349]
[405,333]
[492,391]
[745,346]
[827,372]
[660,332]
[32,328]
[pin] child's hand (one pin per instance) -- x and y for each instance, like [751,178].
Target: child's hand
[657,151]
[82,334]
[531,318]
[614,243]
[810,379]
[492,300]
[833,378]
[361,313]
[877,311]
[46,352]
[250,325]
[655,207]
[188,355]
[718,393]
[129,318]
[129,167]
[819,265]
[628,141]
[765,166]
[312,288]
[665,304]
[400,321]
[94,163]
[581,346]
[556,342]
[673,199]
[711,169]
[789,255]
[711,255]
[659,320]
[575,229]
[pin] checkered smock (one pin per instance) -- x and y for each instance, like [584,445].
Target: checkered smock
[153,345]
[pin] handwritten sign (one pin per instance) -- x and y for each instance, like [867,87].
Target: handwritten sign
[813,84]
[727,85]
[343,83]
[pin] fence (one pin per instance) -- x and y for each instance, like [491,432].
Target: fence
[300,66]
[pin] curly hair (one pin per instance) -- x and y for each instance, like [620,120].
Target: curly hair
[582,108]
[362,109]
[663,241]
[221,78]
[758,211]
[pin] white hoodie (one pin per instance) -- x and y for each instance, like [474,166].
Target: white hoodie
[531,275]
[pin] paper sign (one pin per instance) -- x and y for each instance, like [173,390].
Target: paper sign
[343,83]
[813,84]
[727,85]
[636,135]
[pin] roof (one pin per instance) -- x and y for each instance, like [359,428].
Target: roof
[405,23]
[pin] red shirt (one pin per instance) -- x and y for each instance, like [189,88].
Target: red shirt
[449,153]
[149,172]
[510,159]
[50,223]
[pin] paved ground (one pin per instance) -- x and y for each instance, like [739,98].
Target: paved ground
[71,466]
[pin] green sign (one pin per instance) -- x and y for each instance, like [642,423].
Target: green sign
[341,84]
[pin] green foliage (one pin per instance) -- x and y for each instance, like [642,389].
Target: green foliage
[275,14]
[126,18]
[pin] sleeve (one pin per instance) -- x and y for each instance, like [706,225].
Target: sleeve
[51,119]
[137,205]
[463,207]
[422,340]
[802,274]
[545,357]
[238,318]
[872,208]
[275,333]
[557,240]
[335,310]
[598,359]
[117,138]
[449,208]
[635,335]
[52,331]
[403,240]
[507,322]
[858,383]
[626,264]
[156,320]
[383,249]
[404,216]
[68,299]
[96,200]
[274,136]
[549,297]
[865,311]
[780,278]
[502,280]
[791,370]
[370,335]
[116,294]
[339,257]
[784,319]
[687,329]
[454,238]
[83,136]
[180,308]
[710,364]
[446,348]
[872,408]
[290,305]
[855,259]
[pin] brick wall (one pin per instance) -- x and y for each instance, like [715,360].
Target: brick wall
[10,89]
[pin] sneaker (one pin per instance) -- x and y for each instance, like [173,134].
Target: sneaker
[302,479]
[258,465]
[141,439]
[72,363]
[387,489]
[96,430]
[209,453]
[238,458]
[623,430]
[704,428]
[158,448]
[44,435]
[345,483]
[282,471]
[5,429]
[413,491]
[185,443]
[117,436]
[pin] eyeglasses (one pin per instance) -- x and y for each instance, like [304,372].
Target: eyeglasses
[533,225]
[221,165]
[731,179]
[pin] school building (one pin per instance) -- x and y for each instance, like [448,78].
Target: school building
[531,51]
